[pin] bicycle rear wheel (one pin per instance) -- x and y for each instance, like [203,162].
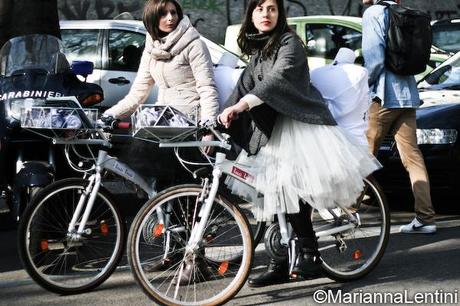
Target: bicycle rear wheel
[58,261]
[352,254]
[217,269]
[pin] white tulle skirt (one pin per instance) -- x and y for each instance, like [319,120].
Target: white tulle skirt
[317,163]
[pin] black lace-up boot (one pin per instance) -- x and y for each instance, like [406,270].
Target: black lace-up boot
[277,273]
[305,259]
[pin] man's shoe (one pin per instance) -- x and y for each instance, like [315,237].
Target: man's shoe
[276,274]
[417,227]
[164,264]
[306,262]
[194,273]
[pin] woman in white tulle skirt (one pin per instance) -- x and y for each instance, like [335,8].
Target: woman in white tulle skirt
[297,153]
[317,163]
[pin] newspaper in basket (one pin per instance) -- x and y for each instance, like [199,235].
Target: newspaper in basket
[58,118]
[164,122]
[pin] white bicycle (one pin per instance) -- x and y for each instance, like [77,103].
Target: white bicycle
[72,235]
[216,243]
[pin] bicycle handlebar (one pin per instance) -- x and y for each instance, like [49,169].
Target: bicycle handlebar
[222,141]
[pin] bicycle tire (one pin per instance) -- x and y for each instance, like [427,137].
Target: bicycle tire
[358,255]
[178,198]
[52,238]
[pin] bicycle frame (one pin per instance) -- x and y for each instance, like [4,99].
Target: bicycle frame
[103,162]
[243,174]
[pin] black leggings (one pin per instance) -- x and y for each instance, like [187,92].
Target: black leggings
[302,225]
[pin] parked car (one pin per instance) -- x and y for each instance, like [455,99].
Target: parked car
[446,34]
[324,36]
[115,48]
[438,125]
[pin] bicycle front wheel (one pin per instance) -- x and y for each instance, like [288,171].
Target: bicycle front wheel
[353,253]
[61,261]
[210,273]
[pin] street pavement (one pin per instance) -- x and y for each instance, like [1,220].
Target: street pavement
[412,265]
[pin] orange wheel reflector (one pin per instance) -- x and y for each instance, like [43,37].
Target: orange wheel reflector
[357,255]
[158,230]
[223,267]
[104,229]
[44,245]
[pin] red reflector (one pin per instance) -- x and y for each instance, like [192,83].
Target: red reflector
[104,228]
[357,255]
[44,245]
[158,230]
[223,267]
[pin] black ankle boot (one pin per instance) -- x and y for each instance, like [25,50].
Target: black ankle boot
[277,273]
[306,262]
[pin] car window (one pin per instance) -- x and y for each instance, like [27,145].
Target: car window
[82,44]
[446,76]
[125,50]
[325,40]
[447,37]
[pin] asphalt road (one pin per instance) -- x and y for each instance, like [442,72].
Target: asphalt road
[413,265]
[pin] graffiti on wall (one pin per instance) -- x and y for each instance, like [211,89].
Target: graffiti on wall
[104,9]
[445,14]
[212,6]
[107,9]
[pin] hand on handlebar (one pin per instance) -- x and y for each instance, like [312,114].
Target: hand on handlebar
[227,116]
[231,113]
[208,137]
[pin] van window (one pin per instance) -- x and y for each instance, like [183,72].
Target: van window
[325,40]
[125,50]
[82,45]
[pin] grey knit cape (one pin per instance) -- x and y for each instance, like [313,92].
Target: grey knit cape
[283,83]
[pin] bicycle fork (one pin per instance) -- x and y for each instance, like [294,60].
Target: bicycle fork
[91,190]
[199,227]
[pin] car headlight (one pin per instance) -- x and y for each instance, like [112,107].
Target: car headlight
[436,136]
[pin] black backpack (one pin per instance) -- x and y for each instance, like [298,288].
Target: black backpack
[408,42]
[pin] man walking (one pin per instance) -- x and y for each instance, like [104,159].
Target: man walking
[394,100]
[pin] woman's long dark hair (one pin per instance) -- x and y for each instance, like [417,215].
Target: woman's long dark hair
[153,10]
[248,45]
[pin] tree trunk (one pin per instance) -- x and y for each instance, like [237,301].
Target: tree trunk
[22,17]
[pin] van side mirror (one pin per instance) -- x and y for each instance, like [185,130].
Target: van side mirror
[83,68]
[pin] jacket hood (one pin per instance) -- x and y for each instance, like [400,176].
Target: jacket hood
[176,41]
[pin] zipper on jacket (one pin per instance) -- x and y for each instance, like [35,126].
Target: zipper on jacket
[163,73]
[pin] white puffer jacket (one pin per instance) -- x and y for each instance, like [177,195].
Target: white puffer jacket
[181,66]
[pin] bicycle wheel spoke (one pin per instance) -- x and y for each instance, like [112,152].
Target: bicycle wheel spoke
[354,252]
[198,273]
[69,262]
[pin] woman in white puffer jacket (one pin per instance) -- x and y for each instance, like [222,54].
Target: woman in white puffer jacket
[176,59]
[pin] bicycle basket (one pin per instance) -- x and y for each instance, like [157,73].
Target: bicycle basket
[161,123]
[57,121]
